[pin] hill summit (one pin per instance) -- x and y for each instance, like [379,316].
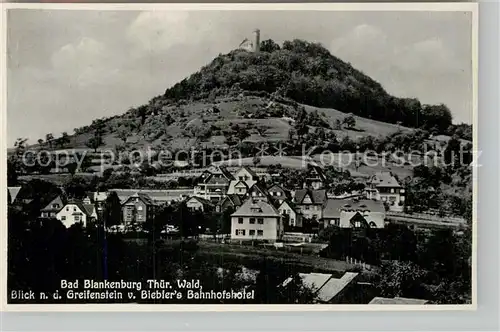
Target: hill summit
[256,95]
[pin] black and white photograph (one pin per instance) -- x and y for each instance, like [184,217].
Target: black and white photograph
[240,155]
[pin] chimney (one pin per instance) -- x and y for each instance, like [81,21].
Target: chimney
[257,40]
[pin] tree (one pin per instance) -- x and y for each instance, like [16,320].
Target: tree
[64,139]
[401,279]
[123,135]
[95,142]
[349,121]
[48,138]
[40,142]
[269,46]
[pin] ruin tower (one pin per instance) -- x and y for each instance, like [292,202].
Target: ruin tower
[256,44]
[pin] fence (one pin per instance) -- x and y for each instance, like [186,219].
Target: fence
[358,263]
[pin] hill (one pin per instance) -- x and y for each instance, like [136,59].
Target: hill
[256,97]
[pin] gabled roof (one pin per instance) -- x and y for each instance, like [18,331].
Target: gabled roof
[48,208]
[157,195]
[13,191]
[319,171]
[335,206]
[384,179]
[201,200]
[258,187]
[241,183]
[89,209]
[277,187]
[317,196]
[143,197]
[226,173]
[397,300]
[290,204]
[85,208]
[247,209]
[211,179]
[234,199]
[250,171]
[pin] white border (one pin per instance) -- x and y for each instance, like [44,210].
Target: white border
[465,7]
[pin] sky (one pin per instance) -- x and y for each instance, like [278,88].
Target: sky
[67,68]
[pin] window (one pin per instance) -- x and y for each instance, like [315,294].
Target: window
[240,232]
[251,232]
[315,216]
[74,209]
[63,218]
[254,193]
[55,206]
[139,217]
[260,221]
[357,224]
[77,218]
[260,233]
[67,208]
[279,193]
[392,190]
[240,220]
[139,208]
[292,221]
[252,220]
[306,207]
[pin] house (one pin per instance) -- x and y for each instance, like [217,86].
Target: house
[199,204]
[315,177]
[212,188]
[240,188]
[258,192]
[50,210]
[291,215]
[244,175]
[256,220]
[158,196]
[355,213]
[77,212]
[278,193]
[310,202]
[12,194]
[138,208]
[325,287]
[383,186]
[398,300]
[234,201]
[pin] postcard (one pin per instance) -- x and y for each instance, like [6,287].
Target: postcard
[239,157]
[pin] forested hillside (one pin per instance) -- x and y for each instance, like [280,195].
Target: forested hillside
[309,74]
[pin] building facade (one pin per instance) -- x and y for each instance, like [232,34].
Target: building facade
[256,220]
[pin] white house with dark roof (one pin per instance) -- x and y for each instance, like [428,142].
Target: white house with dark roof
[256,220]
[76,212]
[199,204]
[291,215]
[244,176]
[383,186]
[354,213]
[278,193]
